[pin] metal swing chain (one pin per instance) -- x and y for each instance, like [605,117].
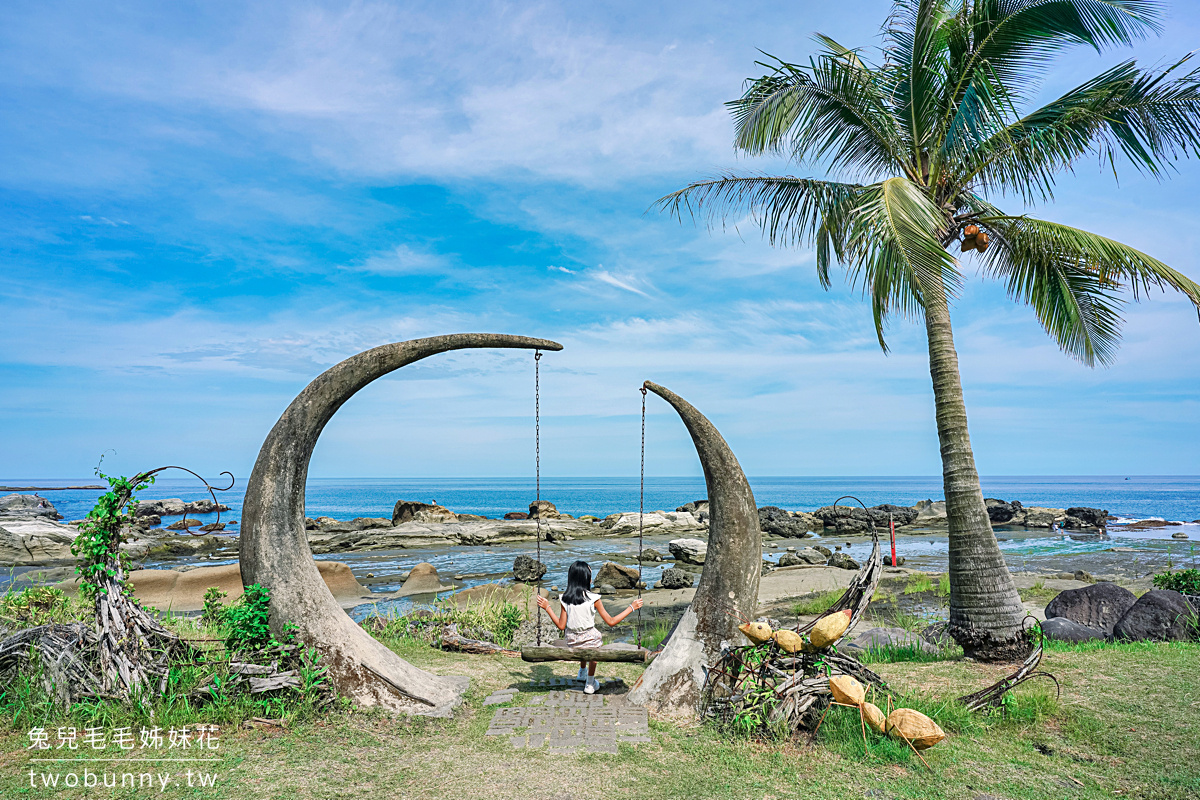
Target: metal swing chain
[641,513]
[537,449]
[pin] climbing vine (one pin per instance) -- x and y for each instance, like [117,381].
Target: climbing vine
[99,539]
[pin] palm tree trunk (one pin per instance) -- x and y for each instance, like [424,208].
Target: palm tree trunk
[985,610]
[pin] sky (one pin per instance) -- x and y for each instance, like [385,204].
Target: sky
[205,205]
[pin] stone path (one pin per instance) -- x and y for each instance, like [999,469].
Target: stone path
[569,721]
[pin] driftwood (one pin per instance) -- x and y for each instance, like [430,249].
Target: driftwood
[67,654]
[768,687]
[993,696]
[538,654]
[461,644]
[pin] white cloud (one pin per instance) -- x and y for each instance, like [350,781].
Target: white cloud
[626,282]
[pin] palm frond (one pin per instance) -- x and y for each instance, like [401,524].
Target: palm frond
[1073,278]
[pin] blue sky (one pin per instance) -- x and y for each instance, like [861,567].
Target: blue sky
[203,205]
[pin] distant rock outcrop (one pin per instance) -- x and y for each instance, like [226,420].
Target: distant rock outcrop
[410,511]
[27,506]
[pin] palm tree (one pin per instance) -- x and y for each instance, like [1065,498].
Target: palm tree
[924,137]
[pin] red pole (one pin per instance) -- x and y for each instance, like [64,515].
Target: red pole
[892,525]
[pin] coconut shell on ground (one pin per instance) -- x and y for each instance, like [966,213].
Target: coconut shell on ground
[172,590]
[829,629]
[847,690]
[915,727]
[874,717]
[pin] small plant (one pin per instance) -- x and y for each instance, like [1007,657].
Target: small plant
[815,603]
[657,633]
[214,611]
[249,621]
[1185,581]
[37,605]
[918,583]
[943,586]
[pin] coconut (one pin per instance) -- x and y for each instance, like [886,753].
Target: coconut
[873,716]
[757,632]
[970,230]
[829,629]
[790,641]
[981,242]
[968,243]
[847,690]
[914,726]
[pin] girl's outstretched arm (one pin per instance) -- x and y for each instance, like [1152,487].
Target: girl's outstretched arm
[560,621]
[610,620]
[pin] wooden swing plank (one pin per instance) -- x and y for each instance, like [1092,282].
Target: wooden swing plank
[552,653]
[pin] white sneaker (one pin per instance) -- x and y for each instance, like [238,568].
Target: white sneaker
[583,676]
[591,686]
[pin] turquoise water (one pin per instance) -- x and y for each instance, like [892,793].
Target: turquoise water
[1138,497]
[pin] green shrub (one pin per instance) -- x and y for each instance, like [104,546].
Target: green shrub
[815,603]
[41,605]
[918,583]
[248,621]
[1185,581]
[214,612]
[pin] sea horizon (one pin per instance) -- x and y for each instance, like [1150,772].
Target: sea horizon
[1173,497]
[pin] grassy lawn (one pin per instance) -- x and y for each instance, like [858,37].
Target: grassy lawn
[1128,725]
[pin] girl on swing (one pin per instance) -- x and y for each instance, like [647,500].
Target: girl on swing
[578,617]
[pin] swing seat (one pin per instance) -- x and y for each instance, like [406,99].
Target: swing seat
[558,651]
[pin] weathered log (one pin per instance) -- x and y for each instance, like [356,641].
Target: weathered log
[551,653]
[478,647]
[275,551]
[728,588]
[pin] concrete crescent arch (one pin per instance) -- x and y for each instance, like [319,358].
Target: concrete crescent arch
[274,546]
[728,586]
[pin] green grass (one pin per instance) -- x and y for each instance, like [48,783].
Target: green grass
[1038,593]
[917,583]
[815,603]
[1126,726]
[656,633]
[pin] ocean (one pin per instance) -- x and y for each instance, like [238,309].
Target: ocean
[1175,498]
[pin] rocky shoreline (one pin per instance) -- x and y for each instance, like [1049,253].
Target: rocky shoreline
[32,535]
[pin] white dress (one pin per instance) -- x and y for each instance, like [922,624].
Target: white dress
[581,623]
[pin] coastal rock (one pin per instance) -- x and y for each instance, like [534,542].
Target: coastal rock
[1099,606]
[775,521]
[147,521]
[1079,517]
[938,635]
[657,522]
[843,561]
[175,546]
[528,570]
[516,515]
[27,506]
[410,511]
[29,542]
[171,507]
[804,556]
[212,527]
[650,554]
[543,509]
[203,507]
[689,551]
[1179,535]
[887,561]
[999,511]
[184,524]
[1066,630]
[843,519]
[900,515]
[605,589]
[618,576]
[1039,517]
[1158,615]
[423,578]
[823,550]
[881,638]
[930,512]
[695,507]
[328,525]
[676,579]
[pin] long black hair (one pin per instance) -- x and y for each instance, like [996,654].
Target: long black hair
[579,583]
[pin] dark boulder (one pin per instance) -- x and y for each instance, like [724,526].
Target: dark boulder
[887,561]
[676,579]
[843,561]
[1099,606]
[650,554]
[1064,630]
[999,511]
[1086,518]
[1159,615]
[617,576]
[213,527]
[901,515]
[775,521]
[183,524]
[528,570]
[516,515]
[823,550]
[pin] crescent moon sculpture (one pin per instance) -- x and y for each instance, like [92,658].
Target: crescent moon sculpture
[728,587]
[274,549]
